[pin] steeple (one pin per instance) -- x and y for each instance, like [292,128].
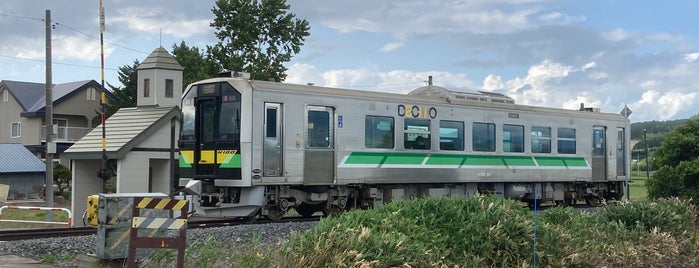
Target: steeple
[159,79]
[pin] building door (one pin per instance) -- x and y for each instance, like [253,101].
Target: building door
[599,153]
[319,150]
[272,148]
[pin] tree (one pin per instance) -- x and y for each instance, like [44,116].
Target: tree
[677,161]
[61,177]
[257,37]
[126,95]
[197,65]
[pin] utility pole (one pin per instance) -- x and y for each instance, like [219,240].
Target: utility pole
[645,142]
[103,173]
[50,146]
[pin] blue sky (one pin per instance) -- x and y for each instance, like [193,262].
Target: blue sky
[606,54]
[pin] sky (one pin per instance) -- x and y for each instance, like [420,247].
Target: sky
[606,54]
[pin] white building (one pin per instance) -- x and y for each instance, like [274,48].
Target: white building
[142,139]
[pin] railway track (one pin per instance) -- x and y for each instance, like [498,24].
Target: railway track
[23,234]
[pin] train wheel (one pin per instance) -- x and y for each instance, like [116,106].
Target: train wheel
[305,210]
[275,214]
[592,200]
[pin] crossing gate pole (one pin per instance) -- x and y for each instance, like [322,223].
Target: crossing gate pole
[179,223]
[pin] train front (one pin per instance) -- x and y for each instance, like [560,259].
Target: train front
[214,141]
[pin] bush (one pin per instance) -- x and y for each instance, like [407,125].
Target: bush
[491,232]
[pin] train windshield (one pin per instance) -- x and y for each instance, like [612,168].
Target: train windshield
[218,107]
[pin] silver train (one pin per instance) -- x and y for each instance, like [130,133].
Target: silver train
[249,147]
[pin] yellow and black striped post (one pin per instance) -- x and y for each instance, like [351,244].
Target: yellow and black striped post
[179,223]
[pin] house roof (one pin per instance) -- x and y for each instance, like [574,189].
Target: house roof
[15,158]
[160,59]
[124,130]
[32,96]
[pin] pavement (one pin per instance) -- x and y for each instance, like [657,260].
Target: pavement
[14,261]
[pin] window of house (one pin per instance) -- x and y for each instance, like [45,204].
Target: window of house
[379,132]
[146,88]
[5,96]
[16,130]
[566,140]
[513,138]
[451,135]
[541,139]
[417,134]
[483,137]
[91,94]
[62,125]
[168,88]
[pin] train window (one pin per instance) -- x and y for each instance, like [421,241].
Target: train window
[188,113]
[541,139]
[318,129]
[483,137]
[378,132]
[566,140]
[417,134]
[451,135]
[271,121]
[513,138]
[621,152]
[229,118]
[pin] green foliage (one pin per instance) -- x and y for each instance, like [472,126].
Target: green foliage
[490,232]
[653,128]
[197,64]
[483,231]
[62,177]
[677,162]
[257,37]
[126,95]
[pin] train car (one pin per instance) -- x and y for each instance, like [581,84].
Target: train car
[249,147]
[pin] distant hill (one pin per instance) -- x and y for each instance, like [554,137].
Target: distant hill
[655,132]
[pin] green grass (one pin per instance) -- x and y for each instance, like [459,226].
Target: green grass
[637,188]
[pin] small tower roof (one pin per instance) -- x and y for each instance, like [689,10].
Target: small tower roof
[160,59]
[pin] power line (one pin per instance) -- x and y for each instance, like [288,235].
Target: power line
[57,23]
[60,63]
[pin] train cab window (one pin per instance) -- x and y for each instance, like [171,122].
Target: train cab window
[451,135]
[188,113]
[541,139]
[229,118]
[483,137]
[417,134]
[513,138]
[379,132]
[566,141]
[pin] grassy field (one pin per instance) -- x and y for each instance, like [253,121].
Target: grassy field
[33,215]
[637,186]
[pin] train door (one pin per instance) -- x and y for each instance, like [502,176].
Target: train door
[621,152]
[206,138]
[599,155]
[319,151]
[272,162]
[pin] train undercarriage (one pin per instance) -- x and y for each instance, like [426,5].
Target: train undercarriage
[274,201]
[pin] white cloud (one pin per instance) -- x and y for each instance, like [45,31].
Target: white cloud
[664,105]
[585,99]
[492,82]
[156,20]
[392,46]
[617,35]
[691,57]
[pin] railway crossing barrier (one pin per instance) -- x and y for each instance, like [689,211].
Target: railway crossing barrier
[180,223]
[69,222]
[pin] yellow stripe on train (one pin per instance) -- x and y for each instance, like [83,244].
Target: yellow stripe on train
[207,156]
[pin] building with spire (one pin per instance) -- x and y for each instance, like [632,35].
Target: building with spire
[141,139]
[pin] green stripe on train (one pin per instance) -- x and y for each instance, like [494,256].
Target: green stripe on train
[366,158]
[184,163]
[231,161]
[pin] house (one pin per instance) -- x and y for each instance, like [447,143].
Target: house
[22,171]
[141,139]
[75,108]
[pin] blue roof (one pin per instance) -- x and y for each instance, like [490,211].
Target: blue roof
[15,158]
